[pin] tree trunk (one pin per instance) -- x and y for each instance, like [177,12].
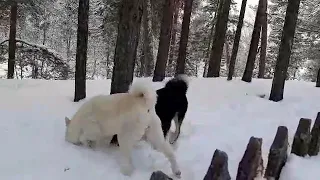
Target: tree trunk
[247,75]
[148,39]
[227,55]
[34,72]
[184,37]
[282,63]
[219,38]
[94,63]
[82,46]
[12,39]
[164,42]
[142,69]
[174,31]
[205,69]
[264,41]
[44,36]
[108,64]
[318,79]
[237,40]
[130,15]
[21,69]
[69,47]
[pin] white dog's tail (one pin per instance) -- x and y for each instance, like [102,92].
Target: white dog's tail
[144,90]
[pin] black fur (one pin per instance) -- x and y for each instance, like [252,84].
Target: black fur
[171,100]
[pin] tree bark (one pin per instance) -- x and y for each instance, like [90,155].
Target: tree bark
[108,64]
[82,46]
[236,40]
[130,15]
[264,41]
[247,75]
[174,31]
[205,69]
[141,66]
[227,54]
[12,39]
[94,63]
[283,59]
[148,39]
[219,38]
[318,79]
[164,42]
[184,37]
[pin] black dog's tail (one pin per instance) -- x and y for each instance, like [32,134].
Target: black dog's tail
[178,84]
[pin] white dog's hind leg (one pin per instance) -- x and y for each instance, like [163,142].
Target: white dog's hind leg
[155,137]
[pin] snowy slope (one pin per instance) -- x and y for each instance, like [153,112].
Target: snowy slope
[221,115]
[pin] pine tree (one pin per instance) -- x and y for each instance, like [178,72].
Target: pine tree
[282,64]
[82,47]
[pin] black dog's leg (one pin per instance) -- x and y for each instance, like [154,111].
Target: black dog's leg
[165,127]
[178,119]
[114,140]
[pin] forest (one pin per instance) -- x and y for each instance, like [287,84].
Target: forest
[196,37]
[241,56]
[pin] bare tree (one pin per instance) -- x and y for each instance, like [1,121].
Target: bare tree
[213,23]
[247,75]
[227,53]
[82,47]
[283,59]
[12,39]
[184,37]
[174,28]
[130,14]
[219,38]
[236,40]
[147,36]
[264,41]
[318,79]
[164,42]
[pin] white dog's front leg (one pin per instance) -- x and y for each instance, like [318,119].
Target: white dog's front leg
[126,143]
[155,137]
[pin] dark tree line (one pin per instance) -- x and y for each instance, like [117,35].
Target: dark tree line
[134,13]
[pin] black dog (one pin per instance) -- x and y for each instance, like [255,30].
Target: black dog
[172,103]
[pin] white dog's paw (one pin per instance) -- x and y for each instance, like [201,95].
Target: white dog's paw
[127,170]
[177,174]
[176,171]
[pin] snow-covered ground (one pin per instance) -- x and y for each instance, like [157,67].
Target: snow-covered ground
[221,115]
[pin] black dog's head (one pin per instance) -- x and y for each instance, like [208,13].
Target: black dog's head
[178,84]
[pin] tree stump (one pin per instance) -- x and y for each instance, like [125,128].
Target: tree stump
[218,169]
[301,138]
[314,145]
[278,154]
[159,175]
[251,160]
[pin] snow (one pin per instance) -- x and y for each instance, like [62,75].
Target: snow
[222,115]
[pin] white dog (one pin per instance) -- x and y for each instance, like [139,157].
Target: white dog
[130,115]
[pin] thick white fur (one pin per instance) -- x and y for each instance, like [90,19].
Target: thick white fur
[129,115]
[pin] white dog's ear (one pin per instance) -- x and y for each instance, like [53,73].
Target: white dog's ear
[67,120]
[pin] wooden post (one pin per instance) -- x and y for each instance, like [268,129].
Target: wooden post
[159,175]
[278,154]
[301,139]
[314,145]
[251,160]
[218,169]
